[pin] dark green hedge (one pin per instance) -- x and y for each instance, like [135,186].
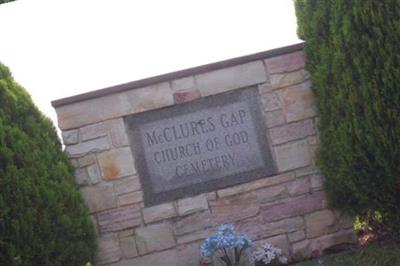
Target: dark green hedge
[353,55]
[43,220]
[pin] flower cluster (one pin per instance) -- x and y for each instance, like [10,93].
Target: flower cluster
[268,254]
[224,238]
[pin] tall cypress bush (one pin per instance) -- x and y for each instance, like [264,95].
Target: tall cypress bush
[353,55]
[43,220]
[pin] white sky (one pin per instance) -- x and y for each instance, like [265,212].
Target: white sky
[58,48]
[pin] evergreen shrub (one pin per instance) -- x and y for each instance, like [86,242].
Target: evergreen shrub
[43,220]
[353,56]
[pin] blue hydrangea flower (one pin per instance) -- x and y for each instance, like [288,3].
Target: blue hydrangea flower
[224,238]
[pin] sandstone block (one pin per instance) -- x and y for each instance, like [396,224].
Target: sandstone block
[159,212]
[274,118]
[194,236]
[313,140]
[168,257]
[126,233]
[70,137]
[108,249]
[87,160]
[294,207]
[193,204]
[99,198]
[81,176]
[318,245]
[83,148]
[186,96]
[264,88]
[345,221]
[92,111]
[227,210]
[256,228]
[271,193]
[183,84]
[298,186]
[320,223]
[154,237]
[194,222]
[127,185]
[281,80]
[292,131]
[292,155]
[113,106]
[189,254]
[296,236]
[118,135]
[298,102]
[116,163]
[211,195]
[93,174]
[130,198]
[286,62]
[119,219]
[317,181]
[149,98]
[281,242]
[128,247]
[308,170]
[74,162]
[231,78]
[271,101]
[93,131]
[94,221]
[302,249]
[260,183]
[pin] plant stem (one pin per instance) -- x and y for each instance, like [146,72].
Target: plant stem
[228,260]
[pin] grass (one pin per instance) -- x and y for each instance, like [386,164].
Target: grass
[372,255]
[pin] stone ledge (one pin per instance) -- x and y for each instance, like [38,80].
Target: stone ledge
[178,74]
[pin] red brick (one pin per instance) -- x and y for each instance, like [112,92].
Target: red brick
[186,96]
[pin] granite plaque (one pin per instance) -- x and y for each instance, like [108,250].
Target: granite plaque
[200,146]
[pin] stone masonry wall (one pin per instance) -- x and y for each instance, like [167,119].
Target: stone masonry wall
[288,210]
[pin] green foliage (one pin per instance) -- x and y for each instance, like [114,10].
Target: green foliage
[43,220]
[5,1]
[353,55]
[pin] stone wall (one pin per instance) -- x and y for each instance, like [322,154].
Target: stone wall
[288,209]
